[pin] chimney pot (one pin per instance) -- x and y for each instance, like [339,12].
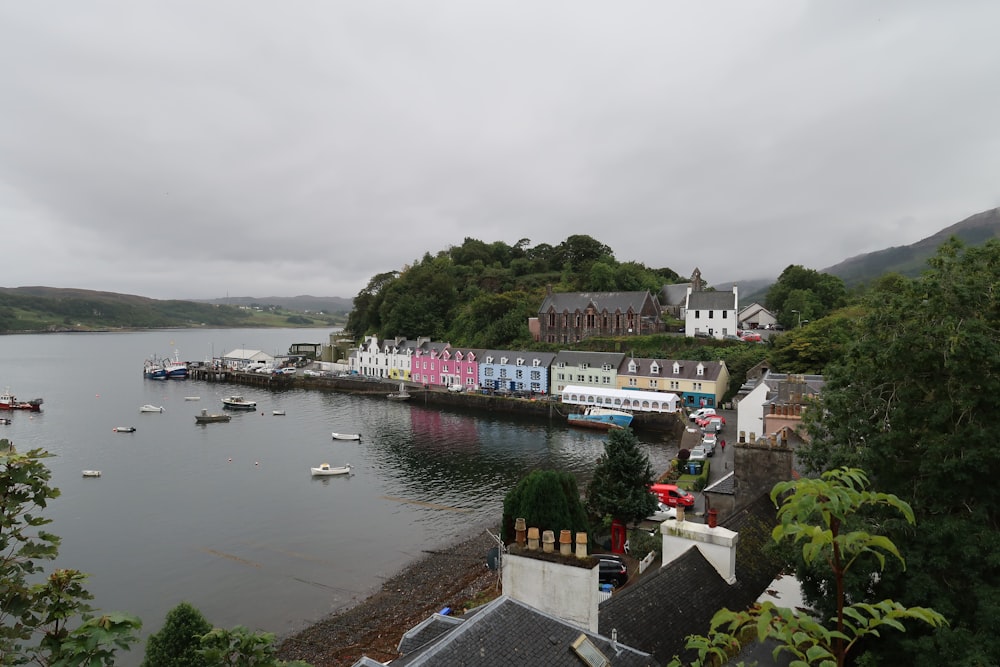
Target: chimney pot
[548,541]
[519,530]
[680,513]
[713,518]
[565,542]
[533,539]
[581,545]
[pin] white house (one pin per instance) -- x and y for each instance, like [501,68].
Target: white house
[756,316]
[711,314]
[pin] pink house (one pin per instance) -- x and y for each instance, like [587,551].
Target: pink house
[460,367]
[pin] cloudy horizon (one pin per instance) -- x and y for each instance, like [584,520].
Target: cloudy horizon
[183,150]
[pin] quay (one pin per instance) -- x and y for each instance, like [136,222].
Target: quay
[539,406]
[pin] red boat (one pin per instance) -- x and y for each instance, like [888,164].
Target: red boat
[9,402]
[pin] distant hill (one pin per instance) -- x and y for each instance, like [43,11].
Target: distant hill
[911,260]
[303,304]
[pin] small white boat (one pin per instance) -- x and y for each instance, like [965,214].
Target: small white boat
[401,395]
[5,421]
[91,473]
[327,469]
[151,408]
[237,402]
[124,429]
[278,413]
[346,436]
[192,398]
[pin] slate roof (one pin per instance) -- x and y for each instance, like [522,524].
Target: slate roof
[712,301]
[573,358]
[609,301]
[657,613]
[507,632]
[544,358]
[688,370]
[724,485]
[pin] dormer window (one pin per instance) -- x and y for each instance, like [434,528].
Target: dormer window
[632,366]
[520,361]
[606,367]
[503,360]
[536,362]
[654,368]
[701,370]
[677,368]
[584,365]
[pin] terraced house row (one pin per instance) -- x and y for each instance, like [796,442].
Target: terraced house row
[436,364]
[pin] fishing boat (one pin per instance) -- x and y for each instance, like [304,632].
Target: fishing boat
[153,369]
[206,418]
[176,369]
[327,469]
[346,436]
[124,429]
[150,408]
[237,402]
[401,395]
[10,402]
[601,418]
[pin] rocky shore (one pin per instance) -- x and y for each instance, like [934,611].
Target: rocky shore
[455,577]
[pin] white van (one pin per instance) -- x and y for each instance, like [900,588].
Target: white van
[701,412]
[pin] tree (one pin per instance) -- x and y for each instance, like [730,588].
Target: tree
[36,613]
[178,642]
[913,401]
[239,647]
[621,481]
[811,293]
[547,500]
[821,514]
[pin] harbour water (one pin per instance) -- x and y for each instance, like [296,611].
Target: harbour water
[227,516]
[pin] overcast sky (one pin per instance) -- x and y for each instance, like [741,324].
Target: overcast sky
[193,149]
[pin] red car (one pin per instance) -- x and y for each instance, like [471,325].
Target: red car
[751,337]
[702,422]
[672,495]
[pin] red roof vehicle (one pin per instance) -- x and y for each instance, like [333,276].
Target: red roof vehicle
[672,495]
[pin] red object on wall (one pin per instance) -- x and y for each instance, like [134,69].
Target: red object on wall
[618,537]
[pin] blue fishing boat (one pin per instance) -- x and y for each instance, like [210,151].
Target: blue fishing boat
[601,418]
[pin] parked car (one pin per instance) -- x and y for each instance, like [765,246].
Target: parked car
[702,412]
[672,495]
[699,453]
[708,419]
[663,513]
[751,337]
[613,570]
[710,439]
[455,388]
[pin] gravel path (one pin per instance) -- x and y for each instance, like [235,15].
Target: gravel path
[452,577]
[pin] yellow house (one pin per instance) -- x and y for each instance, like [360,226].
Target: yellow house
[698,383]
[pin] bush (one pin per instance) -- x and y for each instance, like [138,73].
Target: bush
[177,643]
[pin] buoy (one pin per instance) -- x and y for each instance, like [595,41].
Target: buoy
[256,463]
[230,460]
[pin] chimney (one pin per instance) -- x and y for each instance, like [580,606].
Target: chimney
[581,545]
[520,531]
[716,544]
[548,541]
[533,539]
[680,512]
[565,542]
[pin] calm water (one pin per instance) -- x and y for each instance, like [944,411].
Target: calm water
[227,516]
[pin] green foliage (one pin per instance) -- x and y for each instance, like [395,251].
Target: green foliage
[913,401]
[239,647]
[547,500]
[812,347]
[36,612]
[814,514]
[178,642]
[619,487]
[811,293]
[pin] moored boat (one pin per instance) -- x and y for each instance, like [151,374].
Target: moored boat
[91,473]
[150,408]
[237,402]
[176,369]
[601,418]
[206,418]
[153,369]
[10,402]
[346,436]
[401,395]
[124,429]
[5,421]
[327,469]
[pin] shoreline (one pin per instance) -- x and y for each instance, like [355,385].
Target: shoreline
[454,576]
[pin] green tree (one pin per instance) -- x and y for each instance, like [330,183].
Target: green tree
[811,348]
[811,293]
[239,647]
[819,514]
[547,500]
[620,486]
[178,642]
[913,401]
[36,612]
